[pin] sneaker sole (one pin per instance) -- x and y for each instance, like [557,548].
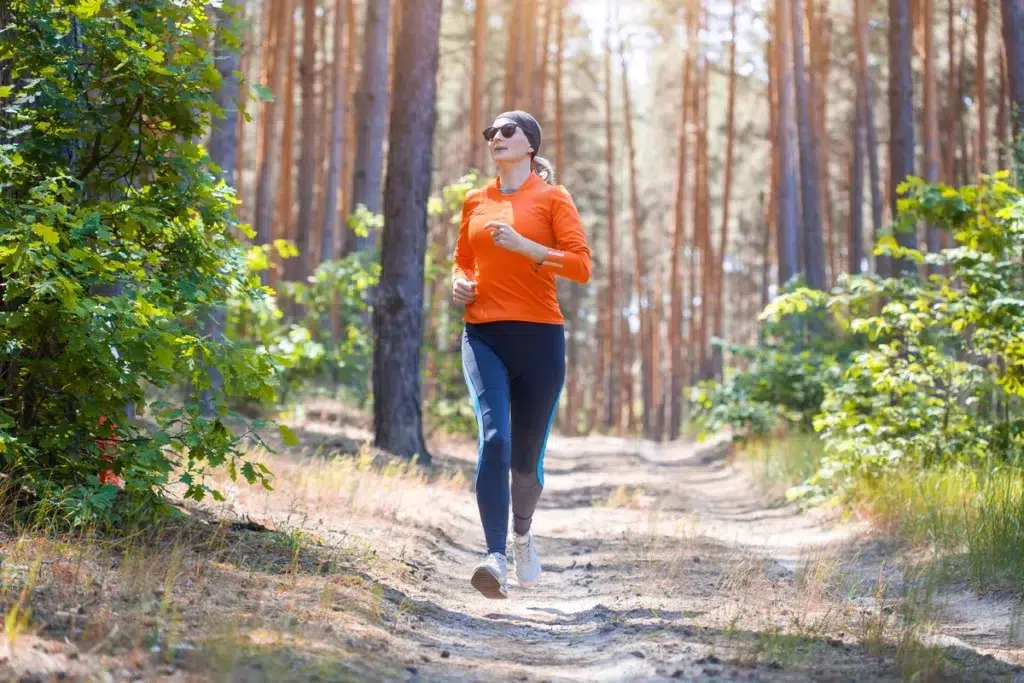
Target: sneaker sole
[488,584]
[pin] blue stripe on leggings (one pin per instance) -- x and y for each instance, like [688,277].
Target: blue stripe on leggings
[479,423]
[547,432]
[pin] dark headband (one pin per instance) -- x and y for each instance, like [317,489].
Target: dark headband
[529,125]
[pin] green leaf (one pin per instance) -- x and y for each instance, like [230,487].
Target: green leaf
[263,93]
[6,90]
[87,8]
[48,234]
[288,436]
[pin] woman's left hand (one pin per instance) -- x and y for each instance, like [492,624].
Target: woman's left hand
[505,236]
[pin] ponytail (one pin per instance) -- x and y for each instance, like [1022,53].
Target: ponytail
[545,169]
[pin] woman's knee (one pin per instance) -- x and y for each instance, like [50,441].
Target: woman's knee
[497,447]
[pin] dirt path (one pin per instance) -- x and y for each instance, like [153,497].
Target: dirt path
[663,562]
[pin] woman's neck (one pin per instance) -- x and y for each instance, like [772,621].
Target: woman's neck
[512,177]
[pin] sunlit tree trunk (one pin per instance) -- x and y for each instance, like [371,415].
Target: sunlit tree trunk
[855,236]
[788,219]
[812,251]
[931,108]
[541,82]
[339,106]
[283,221]
[398,317]
[308,154]
[723,243]
[901,113]
[868,114]
[1013,45]
[639,260]
[476,124]
[610,359]
[980,81]
[372,116]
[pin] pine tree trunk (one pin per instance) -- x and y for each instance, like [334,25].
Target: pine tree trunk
[675,329]
[372,116]
[349,164]
[1013,44]
[266,184]
[1003,113]
[855,238]
[788,219]
[820,31]
[559,51]
[901,114]
[639,260]
[339,88]
[702,217]
[980,78]
[871,141]
[309,135]
[610,360]
[241,157]
[398,315]
[528,53]
[812,252]
[723,243]
[931,109]
[283,221]
[476,124]
[513,51]
[541,82]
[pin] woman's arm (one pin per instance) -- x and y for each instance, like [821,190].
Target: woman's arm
[571,257]
[464,262]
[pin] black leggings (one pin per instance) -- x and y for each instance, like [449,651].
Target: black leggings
[515,372]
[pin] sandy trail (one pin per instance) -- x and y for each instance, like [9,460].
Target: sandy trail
[662,563]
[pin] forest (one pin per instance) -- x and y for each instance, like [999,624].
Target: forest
[226,245]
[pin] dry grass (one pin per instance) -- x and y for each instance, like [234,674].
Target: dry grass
[203,594]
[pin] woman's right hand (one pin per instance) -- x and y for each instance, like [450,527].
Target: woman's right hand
[463,291]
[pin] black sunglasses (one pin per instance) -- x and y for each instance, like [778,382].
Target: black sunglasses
[507,131]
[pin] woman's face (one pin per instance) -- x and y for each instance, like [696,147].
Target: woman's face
[508,150]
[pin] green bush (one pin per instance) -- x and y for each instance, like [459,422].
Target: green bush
[116,242]
[917,371]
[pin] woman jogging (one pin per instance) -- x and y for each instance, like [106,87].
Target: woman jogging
[517,234]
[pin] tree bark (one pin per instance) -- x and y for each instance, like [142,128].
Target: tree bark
[901,114]
[339,106]
[1003,113]
[610,358]
[639,260]
[308,137]
[820,30]
[980,78]
[855,237]
[513,51]
[372,116]
[266,183]
[813,251]
[868,121]
[675,329]
[723,239]
[476,124]
[283,223]
[1013,44]
[528,53]
[398,314]
[931,109]
[545,49]
[788,219]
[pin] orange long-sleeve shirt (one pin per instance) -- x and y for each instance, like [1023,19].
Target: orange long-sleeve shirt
[510,286]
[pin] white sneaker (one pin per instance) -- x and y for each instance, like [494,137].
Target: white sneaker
[489,577]
[524,556]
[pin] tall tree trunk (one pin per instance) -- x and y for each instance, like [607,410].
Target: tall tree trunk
[398,315]
[639,261]
[372,116]
[1013,44]
[1003,113]
[339,105]
[855,237]
[610,359]
[513,50]
[723,240]
[283,221]
[820,31]
[931,109]
[702,214]
[349,163]
[266,183]
[675,328]
[241,158]
[476,124]
[545,50]
[770,208]
[980,81]
[868,122]
[528,53]
[901,113]
[788,220]
[559,60]
[813,251]
[308,153]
